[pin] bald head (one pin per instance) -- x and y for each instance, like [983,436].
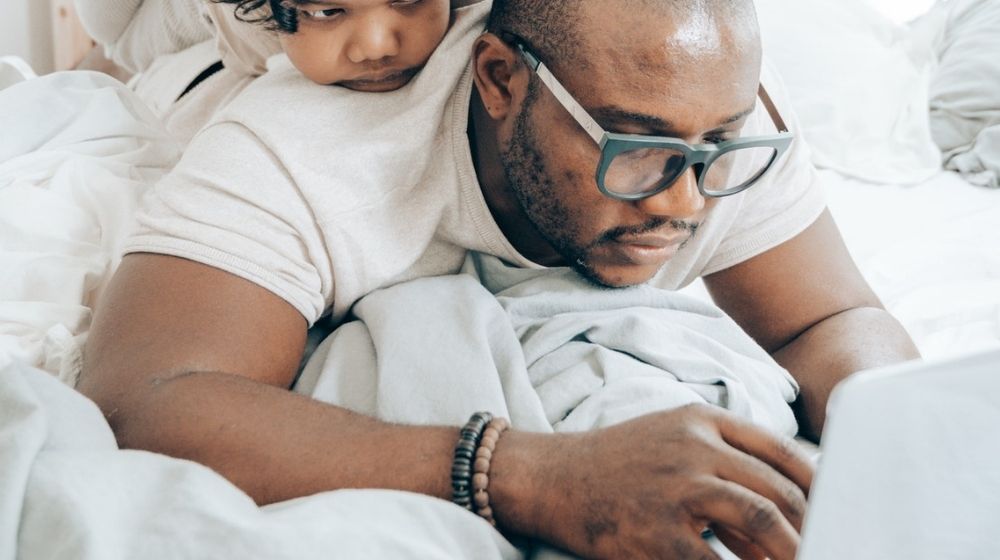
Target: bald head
[682,69]
[566,31]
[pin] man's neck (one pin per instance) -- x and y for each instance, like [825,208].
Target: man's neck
[500,198]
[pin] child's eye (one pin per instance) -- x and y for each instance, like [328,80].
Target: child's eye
[405,2]
[322,15]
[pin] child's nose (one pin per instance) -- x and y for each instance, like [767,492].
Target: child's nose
[373,39]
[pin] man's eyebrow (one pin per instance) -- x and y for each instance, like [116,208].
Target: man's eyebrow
[614,115]
[744,113]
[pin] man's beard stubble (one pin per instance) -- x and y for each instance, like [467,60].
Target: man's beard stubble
[527,175]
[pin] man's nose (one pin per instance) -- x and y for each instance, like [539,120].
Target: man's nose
[681,201]
[373,39]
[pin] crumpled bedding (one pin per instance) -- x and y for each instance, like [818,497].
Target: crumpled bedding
[549,351]
[965,90]
[544,348]
[67,492]
[70,179]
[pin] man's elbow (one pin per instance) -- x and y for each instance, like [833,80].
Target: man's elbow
[123,399]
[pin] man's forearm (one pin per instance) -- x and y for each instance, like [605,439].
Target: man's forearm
[835,348]
[592,493]
[276,445]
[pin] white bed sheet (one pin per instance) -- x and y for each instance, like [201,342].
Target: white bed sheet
[931,251]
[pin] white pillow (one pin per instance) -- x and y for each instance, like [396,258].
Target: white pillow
[965,91]
[858,82]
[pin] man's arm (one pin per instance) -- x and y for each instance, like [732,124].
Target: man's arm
[807,304]
[192,362]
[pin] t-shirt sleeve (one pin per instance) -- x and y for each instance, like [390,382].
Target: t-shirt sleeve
[230,203]
[783,205]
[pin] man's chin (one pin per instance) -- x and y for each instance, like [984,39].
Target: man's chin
[615,276]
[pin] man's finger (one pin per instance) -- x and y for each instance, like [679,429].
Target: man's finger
[761,478]
[783,454]
[739,545]
[688,547]
[731,506]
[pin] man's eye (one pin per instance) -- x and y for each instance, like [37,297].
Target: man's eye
[715,139]
[321,15]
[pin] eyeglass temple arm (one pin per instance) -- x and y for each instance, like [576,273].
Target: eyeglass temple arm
[771,109]
[581,115]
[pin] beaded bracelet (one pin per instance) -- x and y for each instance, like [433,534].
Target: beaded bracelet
[470,470]
[465,451]
[481,468]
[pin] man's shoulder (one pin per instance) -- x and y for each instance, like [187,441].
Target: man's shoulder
[283,103]
[324,133]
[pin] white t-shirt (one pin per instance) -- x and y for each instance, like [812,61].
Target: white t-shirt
[323,195]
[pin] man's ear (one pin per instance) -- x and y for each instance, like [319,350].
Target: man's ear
[501,76]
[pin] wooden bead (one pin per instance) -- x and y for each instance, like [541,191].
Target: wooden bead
[481,499]
[489,442]
[484,453]
[480,481]
[491,433]
[486,512]
[481,466]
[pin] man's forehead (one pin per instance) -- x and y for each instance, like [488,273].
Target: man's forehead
[692,70]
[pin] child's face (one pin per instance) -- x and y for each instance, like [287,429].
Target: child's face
[365,45]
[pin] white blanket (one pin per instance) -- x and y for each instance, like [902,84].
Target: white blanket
[429,351]
[545,349]
[77,150]
[67,492]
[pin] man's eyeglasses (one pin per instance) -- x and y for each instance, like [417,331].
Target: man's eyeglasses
[636,166]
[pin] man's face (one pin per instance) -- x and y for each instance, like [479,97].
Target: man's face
[681,77]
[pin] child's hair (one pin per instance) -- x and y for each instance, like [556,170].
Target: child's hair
[278,15]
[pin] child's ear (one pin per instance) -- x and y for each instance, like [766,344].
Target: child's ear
[501,77]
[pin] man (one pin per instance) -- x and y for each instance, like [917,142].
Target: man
[264,223]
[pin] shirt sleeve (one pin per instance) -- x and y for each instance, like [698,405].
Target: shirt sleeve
[230,204]
[786,202]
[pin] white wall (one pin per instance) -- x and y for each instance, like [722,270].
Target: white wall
[26,26]
[26,31]
[902,11]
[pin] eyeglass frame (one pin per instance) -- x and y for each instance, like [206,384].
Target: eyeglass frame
[613,144]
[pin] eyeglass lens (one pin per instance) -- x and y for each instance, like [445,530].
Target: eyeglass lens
[645,170]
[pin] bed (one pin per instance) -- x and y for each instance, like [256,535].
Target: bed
[926,239]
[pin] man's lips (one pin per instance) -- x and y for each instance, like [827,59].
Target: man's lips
[648,249]
[652,240]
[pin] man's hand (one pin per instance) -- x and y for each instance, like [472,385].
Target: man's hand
[649,487]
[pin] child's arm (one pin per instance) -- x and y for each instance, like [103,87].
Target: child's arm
[136,32]
[244,47]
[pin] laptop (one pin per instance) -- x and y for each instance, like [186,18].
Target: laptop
[910,465]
